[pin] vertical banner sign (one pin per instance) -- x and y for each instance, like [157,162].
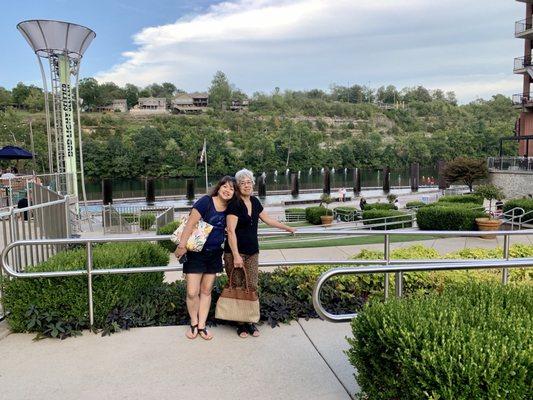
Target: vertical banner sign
[69,148]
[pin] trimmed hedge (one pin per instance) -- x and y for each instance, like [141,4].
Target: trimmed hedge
[346,213]
[444,217]
[465,198]
[469,342]
[146,221]
[526,204]
[67,296]
[379,206]
[168,229]
[396,223]
[313,214]
[415,204]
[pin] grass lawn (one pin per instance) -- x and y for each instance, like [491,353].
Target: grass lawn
[299,242]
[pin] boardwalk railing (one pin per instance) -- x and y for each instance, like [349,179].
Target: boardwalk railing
[386,266]
[165,218]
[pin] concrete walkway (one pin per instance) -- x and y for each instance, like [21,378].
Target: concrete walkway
[303,360]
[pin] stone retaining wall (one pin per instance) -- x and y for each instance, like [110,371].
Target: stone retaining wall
[514,183]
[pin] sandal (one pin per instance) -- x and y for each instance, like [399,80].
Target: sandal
[242,331]
[192,334]
[204,334]
[252,330]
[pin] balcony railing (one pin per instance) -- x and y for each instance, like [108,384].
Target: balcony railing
[521,63]
[510,163]
[522,26]
[523,99]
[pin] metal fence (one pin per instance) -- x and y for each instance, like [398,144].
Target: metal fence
[386,266]
[165,218]
[510,163]
[126,219]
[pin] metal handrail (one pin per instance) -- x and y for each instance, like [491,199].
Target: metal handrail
[89,272]
[396,268]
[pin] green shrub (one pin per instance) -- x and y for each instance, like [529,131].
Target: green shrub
[146,221]
[470,342]
[168,229]
[415,204]
[313,214]
[395,223]
[128,217]
[453,217]
[346,213]
[292,214]
[67,296]
[465,198]
[526,204]
[380,206]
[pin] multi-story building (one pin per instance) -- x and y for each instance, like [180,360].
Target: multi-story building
[193,103]
[150,105]
[524,67]
[120,105]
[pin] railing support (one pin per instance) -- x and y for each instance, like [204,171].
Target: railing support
[506,247]
[90,282]
[386,254]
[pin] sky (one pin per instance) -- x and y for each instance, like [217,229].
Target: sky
[466,46]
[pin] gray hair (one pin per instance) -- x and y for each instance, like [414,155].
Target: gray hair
[243,174]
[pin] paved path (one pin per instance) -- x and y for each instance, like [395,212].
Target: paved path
[303,360]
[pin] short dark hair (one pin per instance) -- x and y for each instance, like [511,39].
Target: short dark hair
[222,182]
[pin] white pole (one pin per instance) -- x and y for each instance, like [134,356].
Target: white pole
[205,161]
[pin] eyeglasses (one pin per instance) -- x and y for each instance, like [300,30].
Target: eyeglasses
[246,183]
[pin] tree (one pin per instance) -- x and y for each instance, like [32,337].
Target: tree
[89,92]
[132,94]
[467,170]
[5,97]
[20,92]
[490,192]
[219,91]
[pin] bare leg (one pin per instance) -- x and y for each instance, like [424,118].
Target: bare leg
[193,300]
[206,286]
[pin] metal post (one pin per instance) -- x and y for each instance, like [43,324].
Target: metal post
[67,216]
[506,247]
[90,282]
[386,254]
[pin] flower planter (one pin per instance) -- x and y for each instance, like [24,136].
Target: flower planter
[326,219]
[487,224]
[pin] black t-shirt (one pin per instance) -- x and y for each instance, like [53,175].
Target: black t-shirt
[246,230]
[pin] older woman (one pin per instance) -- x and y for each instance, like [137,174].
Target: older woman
[242,246]
[200,268]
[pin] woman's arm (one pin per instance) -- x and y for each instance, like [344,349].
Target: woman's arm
[231,225]
[194,217]
[276,224]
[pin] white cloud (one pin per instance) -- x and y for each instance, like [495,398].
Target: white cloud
[297,44]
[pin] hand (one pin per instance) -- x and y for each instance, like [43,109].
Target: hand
[180,251]
[291,230]
[238,261]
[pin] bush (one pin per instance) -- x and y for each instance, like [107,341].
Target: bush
[379,206]
[396,223]
[470,342]
[313,214]
[415,204]
[453,217]
[168,229]
[465,199]
[346,213]
[526,204]
[294,214]
[146,221]
[67,298]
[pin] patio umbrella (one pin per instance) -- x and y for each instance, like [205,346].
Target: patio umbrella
[14,153]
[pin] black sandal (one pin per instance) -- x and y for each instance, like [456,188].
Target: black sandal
[251,329]
[204,331]
[193,327]
[242,329]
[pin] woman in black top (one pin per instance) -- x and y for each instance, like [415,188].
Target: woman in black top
[242,246]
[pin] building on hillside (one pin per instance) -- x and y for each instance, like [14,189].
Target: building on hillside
[150,105]
[200,99]
[117,105]
[193,103]
[239,105]
[523,66]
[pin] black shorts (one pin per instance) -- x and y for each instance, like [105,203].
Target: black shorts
[203,262]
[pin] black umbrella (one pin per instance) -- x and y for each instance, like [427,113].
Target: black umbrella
[14,153]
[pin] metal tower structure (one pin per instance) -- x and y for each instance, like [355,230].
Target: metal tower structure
[63,44]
